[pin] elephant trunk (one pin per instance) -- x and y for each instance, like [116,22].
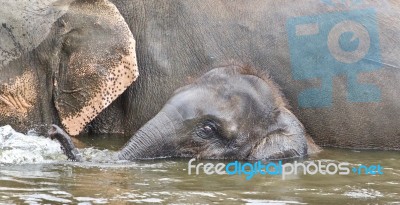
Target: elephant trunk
[153,140]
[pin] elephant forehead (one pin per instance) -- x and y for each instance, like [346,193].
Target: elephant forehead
[200,101]
[25,24]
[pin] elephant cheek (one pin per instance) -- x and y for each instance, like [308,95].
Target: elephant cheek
[100,63]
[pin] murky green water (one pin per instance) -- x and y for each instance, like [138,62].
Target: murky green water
[167,181]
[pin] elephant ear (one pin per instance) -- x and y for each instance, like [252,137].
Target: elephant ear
[286,139]
[97,62]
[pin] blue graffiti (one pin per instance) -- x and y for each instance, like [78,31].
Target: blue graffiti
[324,46]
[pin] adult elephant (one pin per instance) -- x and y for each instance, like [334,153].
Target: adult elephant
[62,61]
[336,61]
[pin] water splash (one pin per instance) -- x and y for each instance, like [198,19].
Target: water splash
[17,148]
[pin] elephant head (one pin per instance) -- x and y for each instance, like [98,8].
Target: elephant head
[74,56]
[230,112]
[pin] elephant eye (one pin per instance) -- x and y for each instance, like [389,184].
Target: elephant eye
[208,129]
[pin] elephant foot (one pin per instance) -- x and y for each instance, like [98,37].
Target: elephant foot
[65,140]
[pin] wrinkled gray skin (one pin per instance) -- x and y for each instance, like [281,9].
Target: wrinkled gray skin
[67,67]
[180,40]
[229,113]
[62,61]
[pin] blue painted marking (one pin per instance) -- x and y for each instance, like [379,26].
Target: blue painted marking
[311,57]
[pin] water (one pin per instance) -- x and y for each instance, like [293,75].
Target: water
[34,171]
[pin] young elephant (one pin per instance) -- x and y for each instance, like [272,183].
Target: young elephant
[229,113]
